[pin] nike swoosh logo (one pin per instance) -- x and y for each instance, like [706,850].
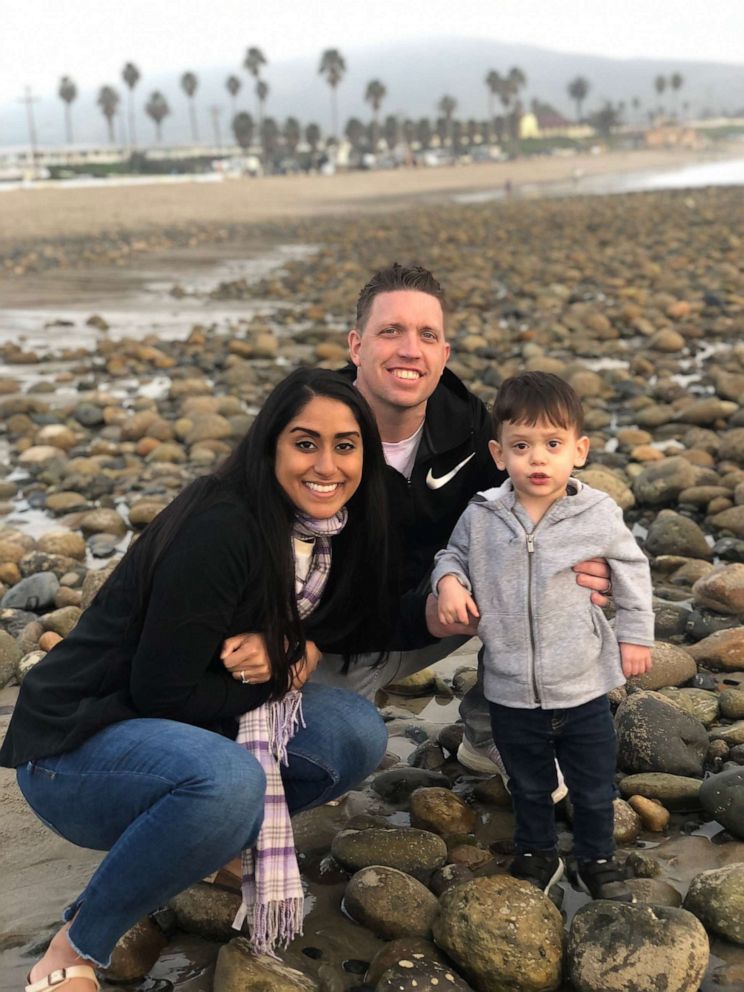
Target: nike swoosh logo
[433,483]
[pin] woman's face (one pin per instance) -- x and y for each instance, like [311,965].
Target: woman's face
[319,457]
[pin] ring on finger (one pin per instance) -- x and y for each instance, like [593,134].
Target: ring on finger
[244,679]
[608,590]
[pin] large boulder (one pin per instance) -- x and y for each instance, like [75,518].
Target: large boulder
[409,850]
[619,947]
[716,897]
[390,903]
[672,534]
[240,970]
[662,482]
[722,589]
[723,649]
[722,796]
[442,812]
[502,933]
[654,735]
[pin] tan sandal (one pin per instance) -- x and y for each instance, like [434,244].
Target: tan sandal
[56,979]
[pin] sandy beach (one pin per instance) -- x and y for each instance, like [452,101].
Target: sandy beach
[45,213]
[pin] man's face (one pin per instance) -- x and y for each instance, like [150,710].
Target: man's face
[400,353]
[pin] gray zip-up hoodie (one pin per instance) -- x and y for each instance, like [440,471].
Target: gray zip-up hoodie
[546,644]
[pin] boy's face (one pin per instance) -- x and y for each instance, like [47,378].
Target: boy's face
[539,459]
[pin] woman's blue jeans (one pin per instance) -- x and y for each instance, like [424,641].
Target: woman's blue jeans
[172,803]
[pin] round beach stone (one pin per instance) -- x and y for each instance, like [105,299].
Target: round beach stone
[722,797]
[700,703]
[707,411]
[653,815]
[62,542]
[610,483]
[102,521]
[722,589]
[716,897]
[723,650]
[421,975]
[10,655]
[731,703]
[92,582]
[502,926]
[627,823]
[143,511]
[732,446]
[673,534]
[655,736]
[61,621]
[35,592]
[731,733]
[206,910]
[136,952]
[390,903]
[407,849]
[40,456]
[731,519]
[618,947]
[419,684]
[662,482]
[395,785]
[402,948]
[672,666]
[676,792]
[57,435]
[442,812]
[238,969]
[655,891]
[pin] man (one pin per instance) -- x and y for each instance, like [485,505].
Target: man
[435,435]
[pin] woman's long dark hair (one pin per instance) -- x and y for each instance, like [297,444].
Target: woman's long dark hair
[361,602]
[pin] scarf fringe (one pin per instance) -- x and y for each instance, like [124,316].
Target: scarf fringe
[284,718]
[272,923]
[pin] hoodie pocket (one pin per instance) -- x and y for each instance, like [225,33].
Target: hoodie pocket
[570,646]
[506,637]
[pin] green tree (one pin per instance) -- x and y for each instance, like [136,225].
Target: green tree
[312,136]
[262,93]
[355,133]
[292,134]
[333,67]
[67,93]
[242,126]
[447,106]
[157,110]
[660,86]
[269,133]
[424,132]
[578,89]
[190,84]
[108,101]
[232,85]
[494,83]
[605,121]
[253,63]
[374,95]
[131,76]
[676,81]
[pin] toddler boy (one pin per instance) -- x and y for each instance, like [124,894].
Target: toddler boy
[550,655]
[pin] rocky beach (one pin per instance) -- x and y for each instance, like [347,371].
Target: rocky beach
[140,330]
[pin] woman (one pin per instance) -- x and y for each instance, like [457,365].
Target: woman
[123,736]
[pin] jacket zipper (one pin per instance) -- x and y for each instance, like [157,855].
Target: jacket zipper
[530,618]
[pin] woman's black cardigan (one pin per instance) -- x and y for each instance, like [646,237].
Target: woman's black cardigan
[120,663]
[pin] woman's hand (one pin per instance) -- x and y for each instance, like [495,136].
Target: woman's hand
[304,668]
[594,574]
[438,629]
[246,659]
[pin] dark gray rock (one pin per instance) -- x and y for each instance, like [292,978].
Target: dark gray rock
[673,534]
[395,785]
[36,592]
[407,849]
[716,897]
[722,796]
[390,903]
[655,736]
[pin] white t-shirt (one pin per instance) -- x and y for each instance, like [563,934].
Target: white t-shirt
[401,455]
[303,552]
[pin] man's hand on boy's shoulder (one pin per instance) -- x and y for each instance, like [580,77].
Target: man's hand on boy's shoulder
[636,659]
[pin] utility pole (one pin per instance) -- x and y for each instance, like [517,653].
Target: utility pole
[30,100]
[215,112]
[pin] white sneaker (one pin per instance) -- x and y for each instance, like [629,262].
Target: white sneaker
[487,761]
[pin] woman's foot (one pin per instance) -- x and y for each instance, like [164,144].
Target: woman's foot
[60,955]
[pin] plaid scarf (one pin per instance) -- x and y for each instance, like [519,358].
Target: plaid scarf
[273,898]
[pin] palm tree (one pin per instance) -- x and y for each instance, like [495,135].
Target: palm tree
[493,82]
[157,110]
[578,89]
[355,133]
[108,101]
[67,92]
[374,95]
[660,86]
[423,132]
[189,84]
[262,91]
[252,63]
[232,85]
[446,107]
[131,75]
[242,125]
[675,82]
[333,67]
[269,133]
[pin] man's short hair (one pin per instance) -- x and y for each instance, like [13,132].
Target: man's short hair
[533,396]
[393,278]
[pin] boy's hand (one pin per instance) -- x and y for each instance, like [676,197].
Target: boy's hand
[456,605]
[636,659]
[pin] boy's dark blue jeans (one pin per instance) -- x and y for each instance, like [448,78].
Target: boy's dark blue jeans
[583,740]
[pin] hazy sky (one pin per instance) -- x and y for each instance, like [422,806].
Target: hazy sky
[41,40]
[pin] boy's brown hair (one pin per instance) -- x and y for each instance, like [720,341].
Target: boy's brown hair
[533,396]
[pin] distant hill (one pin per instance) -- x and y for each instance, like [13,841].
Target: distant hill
[416,76]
